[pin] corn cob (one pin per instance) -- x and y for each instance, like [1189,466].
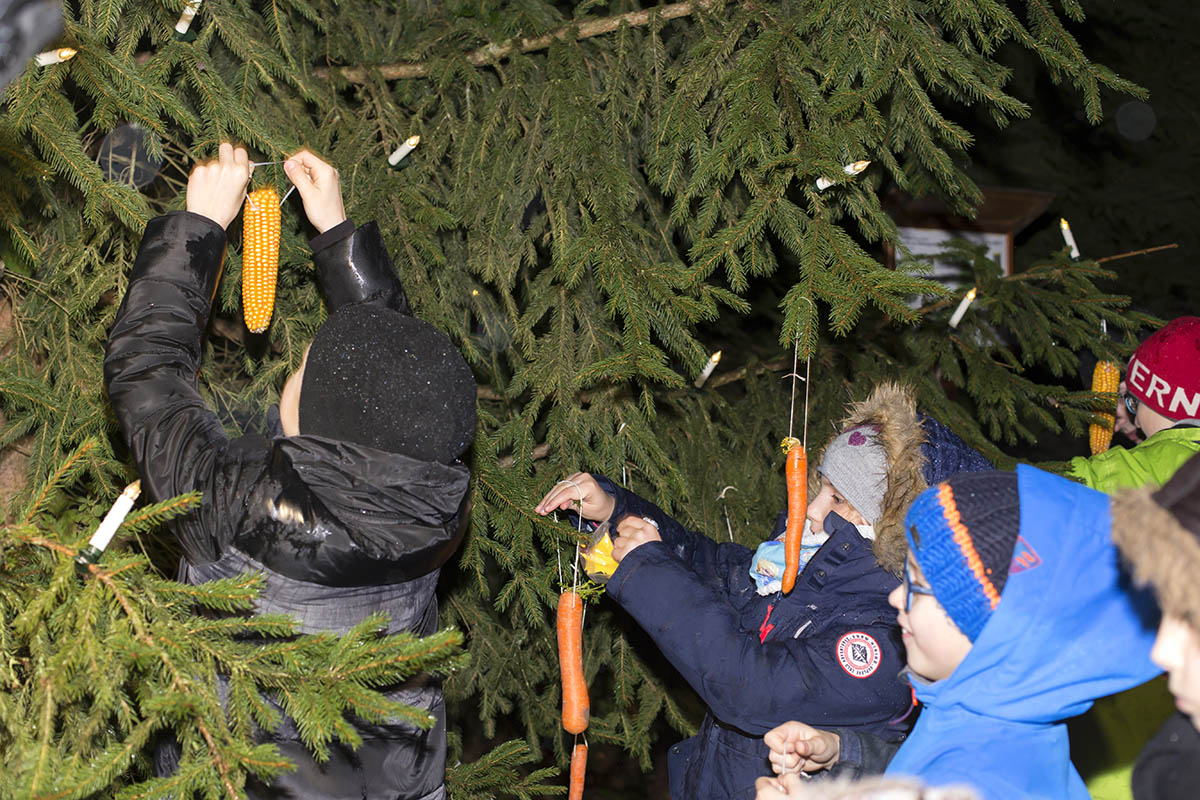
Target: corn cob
[260,257]
[1105,379]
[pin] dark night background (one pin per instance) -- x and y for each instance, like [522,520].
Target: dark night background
[1125,184]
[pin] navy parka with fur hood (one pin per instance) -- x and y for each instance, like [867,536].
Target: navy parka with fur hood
[828,653]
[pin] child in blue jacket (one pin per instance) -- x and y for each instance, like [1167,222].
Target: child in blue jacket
[1015,616]
[753,655]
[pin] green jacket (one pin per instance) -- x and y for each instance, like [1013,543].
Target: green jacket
[1152,462]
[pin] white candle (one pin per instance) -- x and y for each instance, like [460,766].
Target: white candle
[1068,237]
[190,7]
[957,316]
[708,369]
[54,56]
[403,150]
[849,169]
[115,516]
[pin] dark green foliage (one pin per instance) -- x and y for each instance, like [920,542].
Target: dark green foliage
[96,669]
[588,219]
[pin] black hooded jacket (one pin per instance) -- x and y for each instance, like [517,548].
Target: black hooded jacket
[339,530]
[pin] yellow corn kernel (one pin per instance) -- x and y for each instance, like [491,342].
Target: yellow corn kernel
[1106,377]
[260,257]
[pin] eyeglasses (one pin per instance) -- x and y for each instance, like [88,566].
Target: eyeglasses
[1131,404]
[911,588]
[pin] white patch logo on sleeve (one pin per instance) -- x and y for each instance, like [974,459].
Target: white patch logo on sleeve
[859,654]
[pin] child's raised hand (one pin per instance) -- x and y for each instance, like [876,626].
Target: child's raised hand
[789,785]
[633,532]
[319,187]
[215,188]
[580,492]
[796,747]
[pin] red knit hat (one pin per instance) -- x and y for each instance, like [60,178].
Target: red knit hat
[1164,372]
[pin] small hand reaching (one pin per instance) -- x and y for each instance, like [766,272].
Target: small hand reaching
[633,532]
[215,188]
[320,189]
[581,492]
[796,747]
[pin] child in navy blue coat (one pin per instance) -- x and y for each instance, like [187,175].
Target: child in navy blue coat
[757,657]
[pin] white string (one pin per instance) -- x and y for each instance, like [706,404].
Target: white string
[251,203]
[624,471]
[264,163]
[807,367]
[792,412]
[725,508]
[578,529]
[287,195]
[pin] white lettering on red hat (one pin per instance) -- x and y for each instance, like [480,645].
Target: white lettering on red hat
[859,654]
[1179,400]
[1183,405]
[1137,375]
[1158,387]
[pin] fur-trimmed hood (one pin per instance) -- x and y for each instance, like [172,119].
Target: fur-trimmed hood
[920,451]
[1158,532]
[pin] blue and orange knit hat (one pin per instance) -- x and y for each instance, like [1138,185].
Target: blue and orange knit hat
[962,533]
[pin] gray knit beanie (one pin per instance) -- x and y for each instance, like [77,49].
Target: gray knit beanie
[856,463]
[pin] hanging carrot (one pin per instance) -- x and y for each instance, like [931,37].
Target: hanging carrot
[576,709]
[796,473]
[578,770]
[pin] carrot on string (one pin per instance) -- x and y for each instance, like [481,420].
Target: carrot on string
[796,477]
[578,770]
[796,472]
[576,710]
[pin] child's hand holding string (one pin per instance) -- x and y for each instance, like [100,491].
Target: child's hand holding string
[578,492]
[320,189]
[796,747]
[215,188]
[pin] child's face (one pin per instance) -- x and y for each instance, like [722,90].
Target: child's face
[829,499]
[934,644]
[1177,650]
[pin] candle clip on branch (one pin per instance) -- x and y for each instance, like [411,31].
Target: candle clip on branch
[56,56]
[112,520]
[493,52]
[849,169]
[963,304]
[1069,238]
[183,28]
[713,360]
[400,153]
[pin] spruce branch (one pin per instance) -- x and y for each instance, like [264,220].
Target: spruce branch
[491,53]
[1141,252]
[63,475]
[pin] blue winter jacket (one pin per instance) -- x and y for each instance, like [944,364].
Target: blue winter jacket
[1068,629]
[828,652]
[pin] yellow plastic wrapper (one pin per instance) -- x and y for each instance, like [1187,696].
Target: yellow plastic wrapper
[598,561]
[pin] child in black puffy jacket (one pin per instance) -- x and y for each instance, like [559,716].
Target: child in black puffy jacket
[355,507]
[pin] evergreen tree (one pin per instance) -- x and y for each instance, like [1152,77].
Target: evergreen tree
[602,195]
